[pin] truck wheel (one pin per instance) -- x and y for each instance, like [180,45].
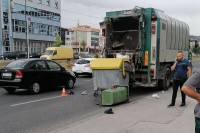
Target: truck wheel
[164,84]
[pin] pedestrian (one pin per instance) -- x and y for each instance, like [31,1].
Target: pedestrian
[192,89]
[182,70]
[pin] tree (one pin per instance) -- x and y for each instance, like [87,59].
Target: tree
[83,45]
[196,50]
[58,41]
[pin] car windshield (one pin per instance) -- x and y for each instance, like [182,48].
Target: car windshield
[82,62]
[18,64]
[48,52]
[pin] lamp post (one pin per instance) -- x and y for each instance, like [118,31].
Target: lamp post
[76,41]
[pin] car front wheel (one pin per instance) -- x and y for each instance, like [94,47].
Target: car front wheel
[70,83]
[34,88]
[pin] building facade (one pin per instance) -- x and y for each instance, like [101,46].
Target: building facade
[83,33]
[29,25]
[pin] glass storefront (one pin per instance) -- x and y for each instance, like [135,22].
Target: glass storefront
[31,11]
[35,46]
[35,28]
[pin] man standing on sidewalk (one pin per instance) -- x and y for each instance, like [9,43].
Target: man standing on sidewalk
[182,70]
[192,89]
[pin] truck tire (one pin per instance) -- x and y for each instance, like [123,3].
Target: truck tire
[164,84]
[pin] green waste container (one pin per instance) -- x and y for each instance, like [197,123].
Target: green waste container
[114,95]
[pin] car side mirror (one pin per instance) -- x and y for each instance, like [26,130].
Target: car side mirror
[62,69]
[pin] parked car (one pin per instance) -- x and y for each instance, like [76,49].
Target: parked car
[15,55]
[82,67]
[1,57]
[34,75]
[35,55]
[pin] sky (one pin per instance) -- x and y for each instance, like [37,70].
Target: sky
[91,12]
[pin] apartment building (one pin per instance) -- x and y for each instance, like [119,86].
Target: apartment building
[84,33]
[29,25]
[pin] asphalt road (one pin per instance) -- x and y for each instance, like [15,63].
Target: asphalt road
[48,111]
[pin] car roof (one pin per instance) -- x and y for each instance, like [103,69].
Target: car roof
[33,59]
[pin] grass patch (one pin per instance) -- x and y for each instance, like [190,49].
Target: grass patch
[3,63]
[195,57]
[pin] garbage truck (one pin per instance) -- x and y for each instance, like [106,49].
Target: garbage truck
[150,39]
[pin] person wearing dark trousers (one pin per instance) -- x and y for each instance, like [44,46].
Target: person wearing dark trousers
[192,89]
[182,70]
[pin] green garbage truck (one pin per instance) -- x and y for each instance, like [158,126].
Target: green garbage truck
[150,39]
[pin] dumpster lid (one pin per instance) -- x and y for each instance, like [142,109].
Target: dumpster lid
[108,63]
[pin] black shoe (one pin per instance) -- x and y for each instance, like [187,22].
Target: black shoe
[171,105]
[182,104]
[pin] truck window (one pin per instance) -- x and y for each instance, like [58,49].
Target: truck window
[55,52]
[48,52]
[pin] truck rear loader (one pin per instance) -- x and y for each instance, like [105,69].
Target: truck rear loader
[150,39]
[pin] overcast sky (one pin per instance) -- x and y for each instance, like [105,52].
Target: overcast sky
[91,12]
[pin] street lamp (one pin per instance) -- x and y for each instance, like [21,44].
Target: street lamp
[76,41]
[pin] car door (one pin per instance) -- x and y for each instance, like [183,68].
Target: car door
[57,74]
[41,74]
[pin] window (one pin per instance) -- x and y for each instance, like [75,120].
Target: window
[34,12]
[95,33]
[53,66]
[17,63]
[94,41]
[19,8]
[48,2]
[40,2]
[40,65]
[56,4]
[163,26]
[83,62]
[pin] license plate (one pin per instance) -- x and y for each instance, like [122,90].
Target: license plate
[6,75]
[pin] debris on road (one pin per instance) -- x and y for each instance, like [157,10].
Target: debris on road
[84,93]
[155,96]
[109,111]
[71,93]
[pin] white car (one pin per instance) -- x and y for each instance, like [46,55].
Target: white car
[82,67]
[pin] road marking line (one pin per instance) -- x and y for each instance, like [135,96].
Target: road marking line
[13,105]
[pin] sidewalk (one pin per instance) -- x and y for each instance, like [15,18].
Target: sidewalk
[148,115]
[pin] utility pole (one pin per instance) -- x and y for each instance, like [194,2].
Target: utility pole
[76,40]
[2,26]
[79,49]
[27,30]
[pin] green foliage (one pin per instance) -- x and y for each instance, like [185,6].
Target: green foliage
[97,55]
[83,45]
[58,41]
[196,50]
